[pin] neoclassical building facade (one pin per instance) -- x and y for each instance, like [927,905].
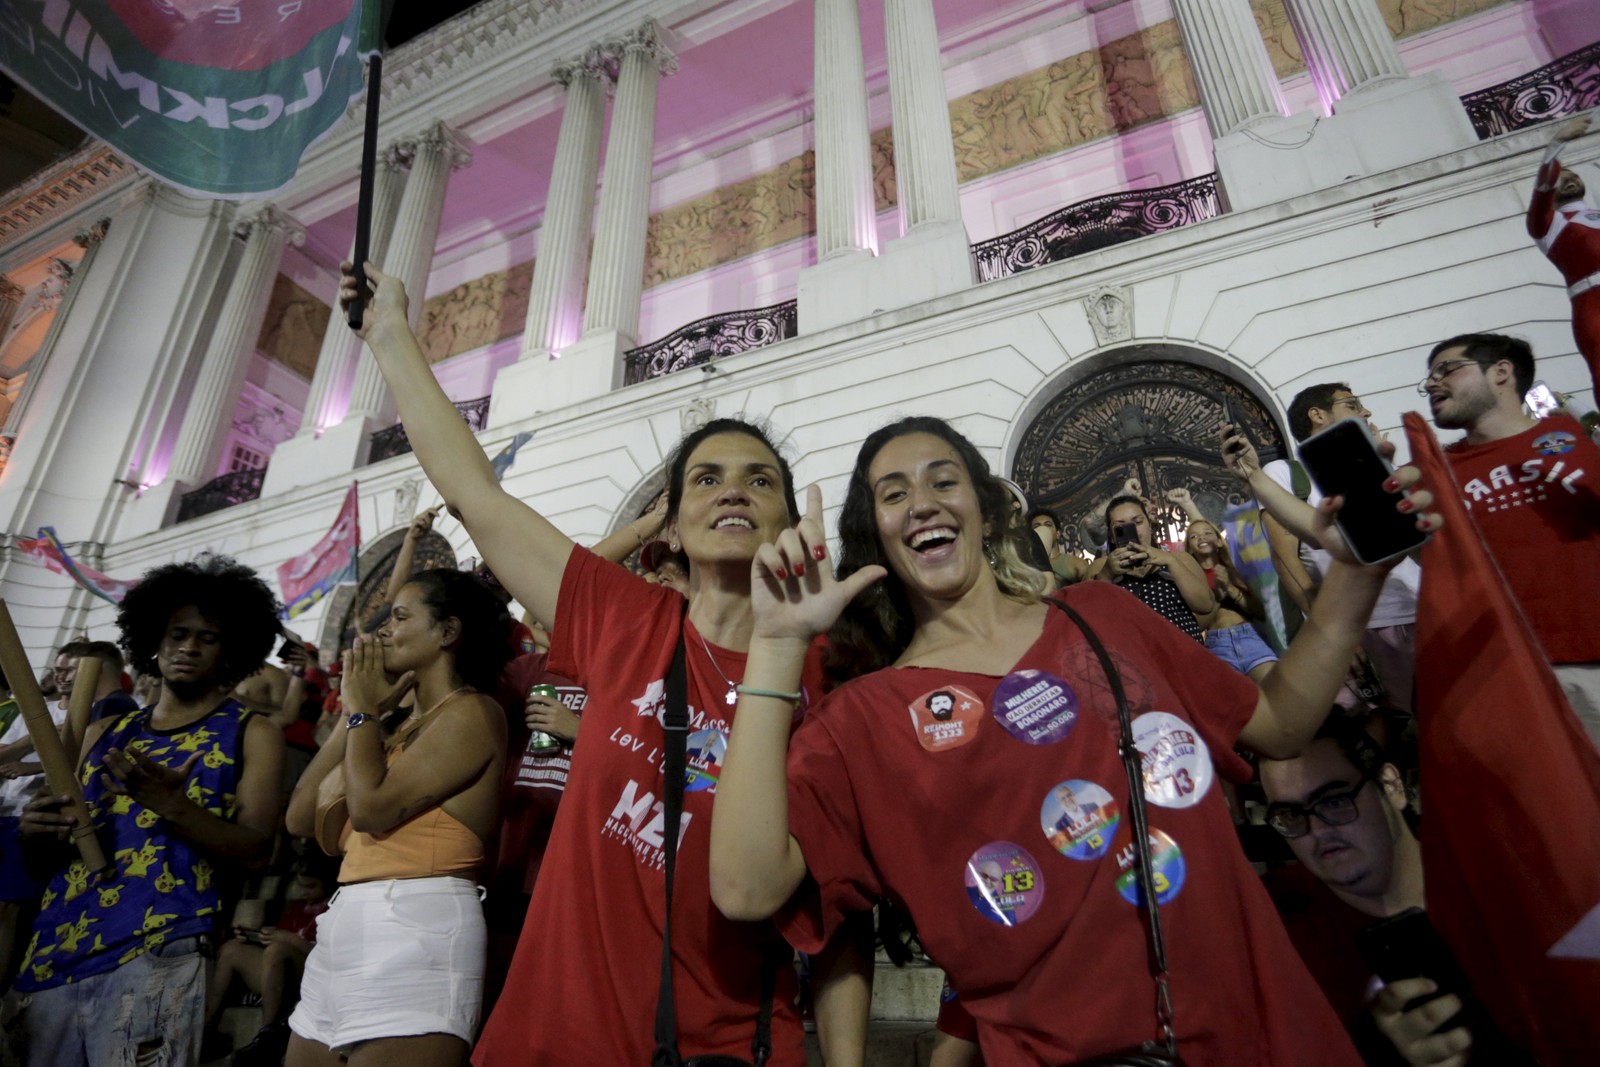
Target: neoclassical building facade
[1073,228]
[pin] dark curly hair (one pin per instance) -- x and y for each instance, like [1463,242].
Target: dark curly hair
[679,460]
[484,647]
[876,626]
[221,589]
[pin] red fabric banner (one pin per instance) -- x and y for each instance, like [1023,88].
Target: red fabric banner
[1511,831]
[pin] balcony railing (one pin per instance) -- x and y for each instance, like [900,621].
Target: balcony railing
[235,487]
[1565,87]
[392,441]
[1097,223]
[710,338]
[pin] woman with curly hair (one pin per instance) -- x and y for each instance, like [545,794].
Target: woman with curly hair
[397,973]
[974,777]
[1229,634]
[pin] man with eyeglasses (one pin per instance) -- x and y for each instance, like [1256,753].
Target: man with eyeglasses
[1342,808]
[1389,645]
[1530,485]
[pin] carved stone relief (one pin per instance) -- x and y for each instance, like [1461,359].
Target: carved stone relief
[1110,310]
[477,313]
[291,332]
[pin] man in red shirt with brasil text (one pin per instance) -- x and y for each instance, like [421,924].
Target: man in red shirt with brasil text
[1531,487]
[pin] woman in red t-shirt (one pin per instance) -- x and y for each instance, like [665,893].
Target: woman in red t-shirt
[974,778]
[582,985]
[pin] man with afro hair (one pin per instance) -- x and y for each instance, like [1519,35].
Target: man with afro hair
[183,793]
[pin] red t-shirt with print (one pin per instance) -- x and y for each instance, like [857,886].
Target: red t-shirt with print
[533,782]
[1533,497]
[996,811]
[582,986]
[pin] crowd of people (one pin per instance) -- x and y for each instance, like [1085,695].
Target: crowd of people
[917,703]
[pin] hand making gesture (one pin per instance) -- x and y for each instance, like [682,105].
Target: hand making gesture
[793,592]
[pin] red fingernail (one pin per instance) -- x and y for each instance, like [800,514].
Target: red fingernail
[782,573]
[818,552]
[1391,485]
[799,569]
[1405,506]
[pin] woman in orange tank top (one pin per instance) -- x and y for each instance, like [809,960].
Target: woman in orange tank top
[397,974]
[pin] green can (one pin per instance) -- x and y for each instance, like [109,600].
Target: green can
[539,742]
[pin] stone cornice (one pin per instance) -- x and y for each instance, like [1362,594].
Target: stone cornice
[60,189]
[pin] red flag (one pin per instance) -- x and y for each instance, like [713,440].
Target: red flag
[308,578]
[1511,836]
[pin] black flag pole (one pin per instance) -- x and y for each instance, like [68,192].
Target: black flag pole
[369,166]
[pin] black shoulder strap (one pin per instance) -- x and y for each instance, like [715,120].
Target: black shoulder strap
[1139,817]
[675,723]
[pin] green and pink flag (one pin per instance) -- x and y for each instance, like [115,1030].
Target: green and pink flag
[220,98]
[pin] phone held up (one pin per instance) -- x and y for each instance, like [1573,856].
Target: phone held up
[1124,533]
[1344,460]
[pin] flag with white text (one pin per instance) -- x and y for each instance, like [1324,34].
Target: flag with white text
[308,578]
[219,98]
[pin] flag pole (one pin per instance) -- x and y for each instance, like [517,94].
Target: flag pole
[81,704]
[369,167]
[59,768]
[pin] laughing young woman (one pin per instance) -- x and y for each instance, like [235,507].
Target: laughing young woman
[582,986]
[975,779]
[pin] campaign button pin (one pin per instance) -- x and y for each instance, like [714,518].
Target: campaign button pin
[946,717]
[1167,869]
[1177,764]
[1004,884]
[1079,819]
[1036,707]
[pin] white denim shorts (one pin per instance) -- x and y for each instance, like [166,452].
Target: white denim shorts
[397,958]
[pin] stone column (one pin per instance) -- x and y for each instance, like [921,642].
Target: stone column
[1346,44]
[924,158]
[555,299]
[616,279]
[330,382]
[846,212]
[439,150]
[933,255]
[1232,71]
[216,389]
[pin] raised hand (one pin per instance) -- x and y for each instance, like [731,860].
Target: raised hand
[386,298]
[422,525]
[793,592]
[1411,501]
[1238,454]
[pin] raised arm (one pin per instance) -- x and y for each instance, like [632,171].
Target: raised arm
[756,864]
[1542,206]
[633,536]
[1296,696]
[404,559]
[526,553]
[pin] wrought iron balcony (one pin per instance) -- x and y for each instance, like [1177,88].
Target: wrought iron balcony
[710,338]
[1097,223]
[392,441]
[1565,87]
[235,487]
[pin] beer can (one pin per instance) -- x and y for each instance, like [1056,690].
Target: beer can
[539,742]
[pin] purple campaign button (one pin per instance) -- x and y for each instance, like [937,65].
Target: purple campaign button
[1036,707]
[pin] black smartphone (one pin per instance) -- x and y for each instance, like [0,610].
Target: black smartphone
[251,934]
[1344,461]
[1124,533]
[1407,946]
[1229,417]
[287,648]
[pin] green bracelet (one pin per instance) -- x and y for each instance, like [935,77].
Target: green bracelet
[775,694]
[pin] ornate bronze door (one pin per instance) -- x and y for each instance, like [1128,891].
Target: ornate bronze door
[1150,421]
